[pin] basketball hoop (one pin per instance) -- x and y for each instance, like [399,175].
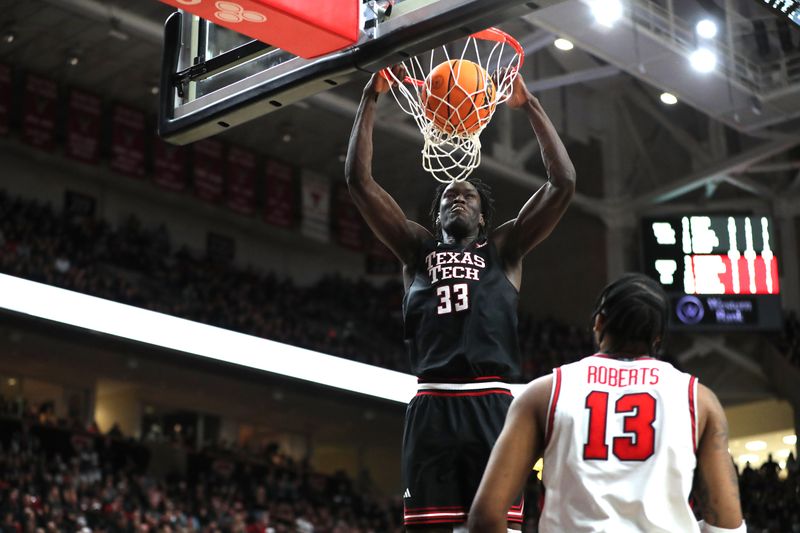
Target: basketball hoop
[451,120]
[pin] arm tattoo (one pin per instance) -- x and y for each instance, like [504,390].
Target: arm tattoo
[721,445]
[711,505]
[707,510]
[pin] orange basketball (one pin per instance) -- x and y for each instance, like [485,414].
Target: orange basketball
[458,96]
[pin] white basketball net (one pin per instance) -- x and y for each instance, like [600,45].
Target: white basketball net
[452,152]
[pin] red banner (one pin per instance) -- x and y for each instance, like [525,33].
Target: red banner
[40,109]
[128,141]
[5,98]
[241,181]
[83,126]
[169,165]
[348,225]
[279,190]
[209,180]
[381,260]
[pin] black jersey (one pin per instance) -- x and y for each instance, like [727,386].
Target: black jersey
[461,314]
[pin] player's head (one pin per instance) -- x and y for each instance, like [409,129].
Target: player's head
[460,207]
[630,315]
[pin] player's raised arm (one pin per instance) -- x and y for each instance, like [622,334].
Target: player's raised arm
[544,209]
[717,487]
[378,208]
[513,456]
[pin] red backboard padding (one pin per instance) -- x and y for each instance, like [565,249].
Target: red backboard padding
[305,28]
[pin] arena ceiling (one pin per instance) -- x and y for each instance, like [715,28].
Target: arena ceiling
[695,153]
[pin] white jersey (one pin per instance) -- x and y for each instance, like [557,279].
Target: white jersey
[621,438]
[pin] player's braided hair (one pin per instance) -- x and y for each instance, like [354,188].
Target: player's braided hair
[635,310]
[487,206]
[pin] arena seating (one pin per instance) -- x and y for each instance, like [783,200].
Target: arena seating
[138,266]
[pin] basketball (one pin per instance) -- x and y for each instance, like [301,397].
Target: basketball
[458,96]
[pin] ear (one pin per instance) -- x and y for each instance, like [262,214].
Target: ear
[657,343]
[599,322]
[481,221]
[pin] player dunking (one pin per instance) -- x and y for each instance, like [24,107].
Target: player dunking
[460,313]
[623,435]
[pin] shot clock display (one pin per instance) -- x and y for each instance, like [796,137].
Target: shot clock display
[721,272]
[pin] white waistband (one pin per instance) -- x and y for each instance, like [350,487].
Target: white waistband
[464,386]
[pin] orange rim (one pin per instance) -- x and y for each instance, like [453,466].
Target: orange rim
[489,34]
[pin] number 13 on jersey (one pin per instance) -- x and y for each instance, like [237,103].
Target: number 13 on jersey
[637,443]
[452,298]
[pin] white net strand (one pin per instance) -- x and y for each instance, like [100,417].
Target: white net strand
[451,150]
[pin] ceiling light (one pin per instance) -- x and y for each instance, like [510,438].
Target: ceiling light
[9,37]
[154,89]
[706,28]
[563,44]
[748,458]
[73,58]
[606,12]
[286,133]
[790,440]
[703,60]
[755,445]
[783,454]
[668,98]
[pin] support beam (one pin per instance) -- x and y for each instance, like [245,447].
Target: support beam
[126,21]
[627,120]
[536,41]
[526,152]
[581,76]
[774,167]
[683,138]
[749,185]
[794,186]
[717,171]
[711,189]
[743,204]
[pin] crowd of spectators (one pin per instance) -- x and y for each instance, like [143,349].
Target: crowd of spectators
[54,479]
[59,480]
[138,266]
[771,496]
[63,477]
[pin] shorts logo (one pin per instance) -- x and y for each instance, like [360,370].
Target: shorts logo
[407,494]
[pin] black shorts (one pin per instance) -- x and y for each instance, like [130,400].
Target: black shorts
[447,440]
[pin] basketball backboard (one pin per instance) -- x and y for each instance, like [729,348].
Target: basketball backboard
[213,79]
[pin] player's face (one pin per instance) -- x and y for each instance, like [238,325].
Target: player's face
[460,208]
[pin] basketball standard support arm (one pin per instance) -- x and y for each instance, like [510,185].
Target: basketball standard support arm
[404,34]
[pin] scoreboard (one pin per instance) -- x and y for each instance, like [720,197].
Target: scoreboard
[785,8]
[721,272]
